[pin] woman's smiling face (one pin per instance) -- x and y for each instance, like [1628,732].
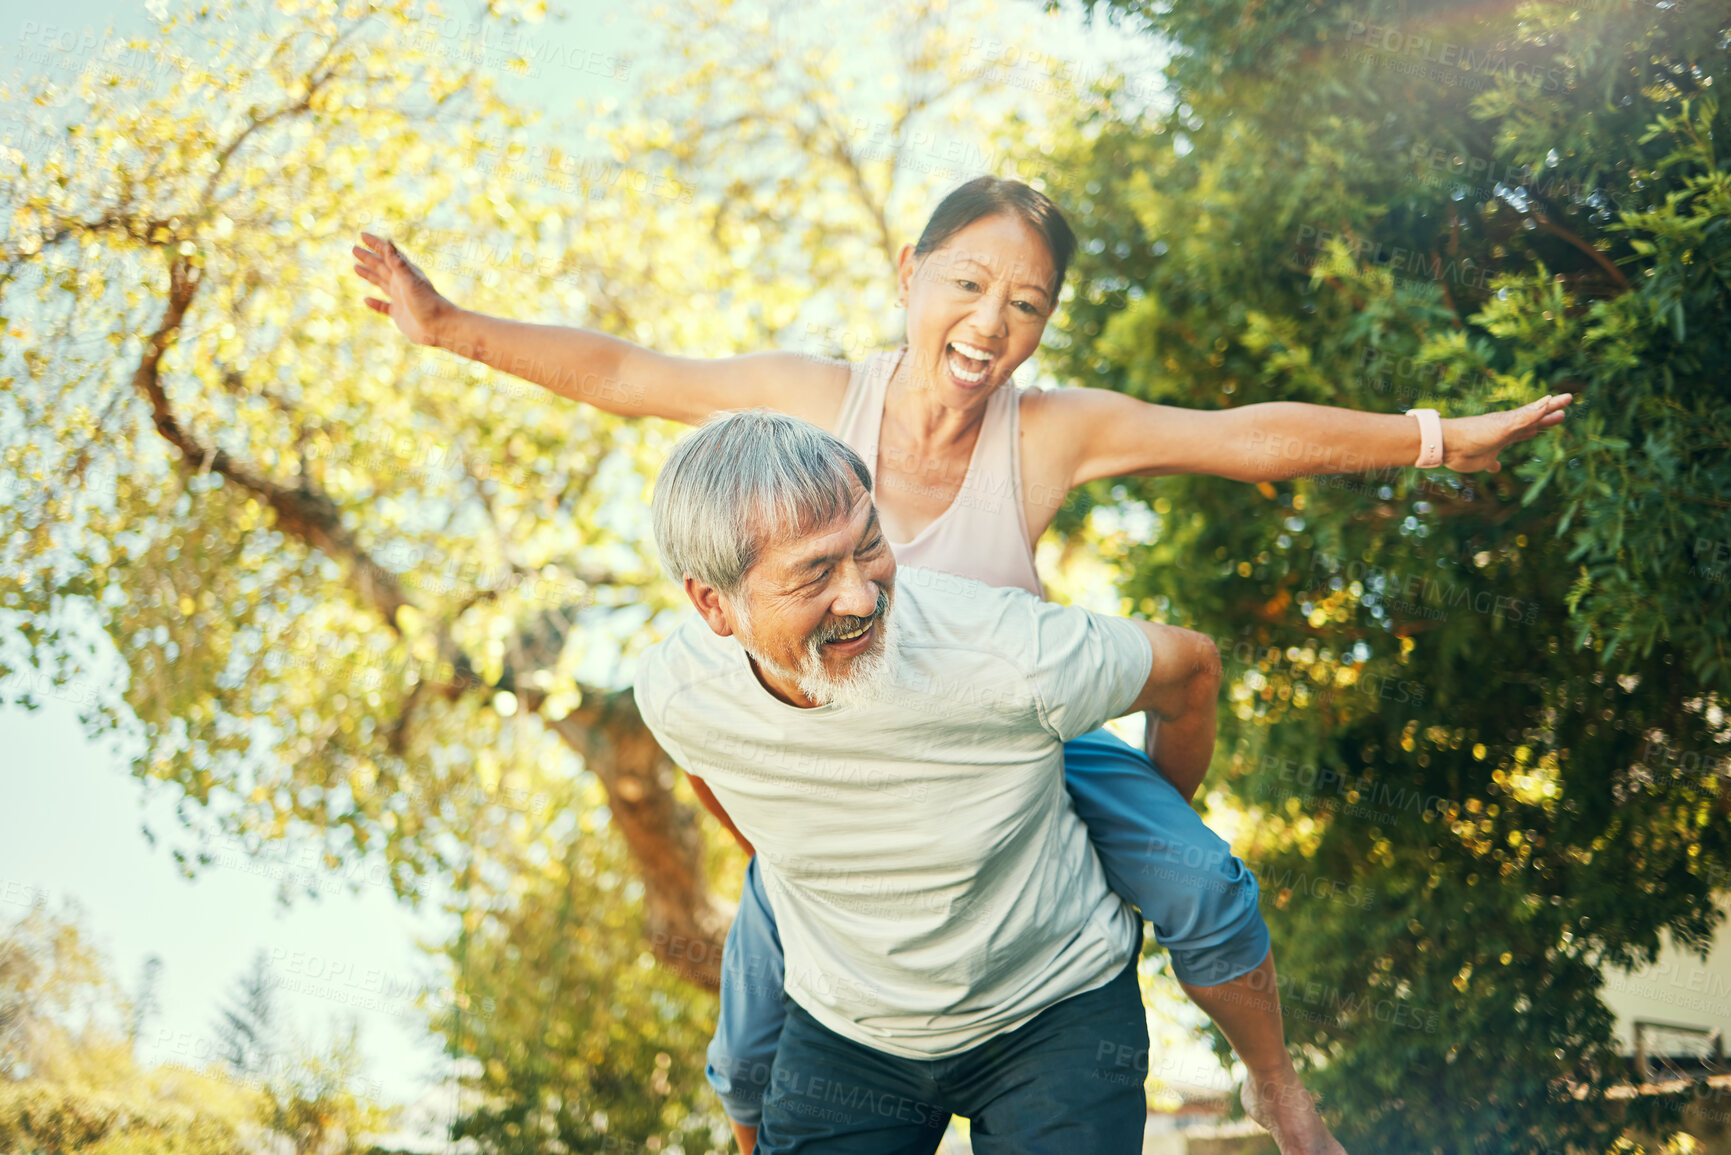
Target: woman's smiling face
[977,306]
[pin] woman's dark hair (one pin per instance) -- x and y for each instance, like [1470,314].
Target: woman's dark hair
[986,196]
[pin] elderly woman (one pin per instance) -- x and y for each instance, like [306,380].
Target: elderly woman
[968,476]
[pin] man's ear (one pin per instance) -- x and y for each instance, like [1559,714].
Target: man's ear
[707,599]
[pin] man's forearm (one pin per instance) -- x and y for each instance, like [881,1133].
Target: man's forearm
[1181,692]
[580,364]
[1185,742]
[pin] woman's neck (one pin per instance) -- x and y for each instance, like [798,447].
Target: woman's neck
[912,399]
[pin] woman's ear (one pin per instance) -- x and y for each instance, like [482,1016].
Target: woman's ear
[905,261]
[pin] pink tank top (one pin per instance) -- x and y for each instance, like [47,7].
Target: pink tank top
[982,535]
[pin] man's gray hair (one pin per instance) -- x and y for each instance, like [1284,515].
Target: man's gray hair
[741,481]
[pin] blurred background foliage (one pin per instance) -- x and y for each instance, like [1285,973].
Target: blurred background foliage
[1492,705]
[70,1079]
[341,589]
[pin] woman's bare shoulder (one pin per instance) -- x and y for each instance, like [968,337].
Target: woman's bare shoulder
[1062,429]
[1039,413]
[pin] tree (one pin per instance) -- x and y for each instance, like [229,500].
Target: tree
[374,597]
[307,1093]
[51,983]
[327,564]
[246,1030]
[68,1079]
[144,1004]
[337,570]
[309,1096]
[1477,728]
[575,1037]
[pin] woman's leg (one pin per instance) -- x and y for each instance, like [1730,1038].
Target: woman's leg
[1273,1095]
[1202,900]
[748,1024]
[1159,855]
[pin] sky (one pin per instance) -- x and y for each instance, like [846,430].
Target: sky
[71,829]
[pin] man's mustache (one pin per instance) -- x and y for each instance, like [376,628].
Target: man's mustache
[854,624]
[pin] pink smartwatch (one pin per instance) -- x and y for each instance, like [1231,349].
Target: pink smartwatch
[1430,449]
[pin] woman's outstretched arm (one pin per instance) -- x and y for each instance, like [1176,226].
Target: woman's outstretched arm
[1118,436]
[584,365]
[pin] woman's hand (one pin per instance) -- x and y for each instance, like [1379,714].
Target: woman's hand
[1471,444]
[417,308]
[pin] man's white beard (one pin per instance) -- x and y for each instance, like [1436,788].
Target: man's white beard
[867,676]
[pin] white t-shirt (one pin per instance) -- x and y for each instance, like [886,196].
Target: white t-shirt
[931,883]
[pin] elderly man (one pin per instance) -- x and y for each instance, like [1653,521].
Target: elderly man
[891,743]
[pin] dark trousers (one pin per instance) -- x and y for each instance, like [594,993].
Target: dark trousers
[1068,1082]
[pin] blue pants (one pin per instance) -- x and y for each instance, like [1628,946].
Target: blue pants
[1157,855]
[1069,1080]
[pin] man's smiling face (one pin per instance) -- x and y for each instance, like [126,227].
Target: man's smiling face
[813,612]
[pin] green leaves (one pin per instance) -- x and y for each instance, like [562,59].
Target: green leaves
[1480,217]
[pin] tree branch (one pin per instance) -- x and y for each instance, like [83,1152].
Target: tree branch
[1604,262]
[662,833]
[608,732]
[313,80]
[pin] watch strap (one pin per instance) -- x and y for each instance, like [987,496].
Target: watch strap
[1430,446]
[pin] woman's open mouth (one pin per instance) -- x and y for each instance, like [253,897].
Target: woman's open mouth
[968,364]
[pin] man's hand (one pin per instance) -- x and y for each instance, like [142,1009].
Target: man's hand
[417,308]
[1471,444]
